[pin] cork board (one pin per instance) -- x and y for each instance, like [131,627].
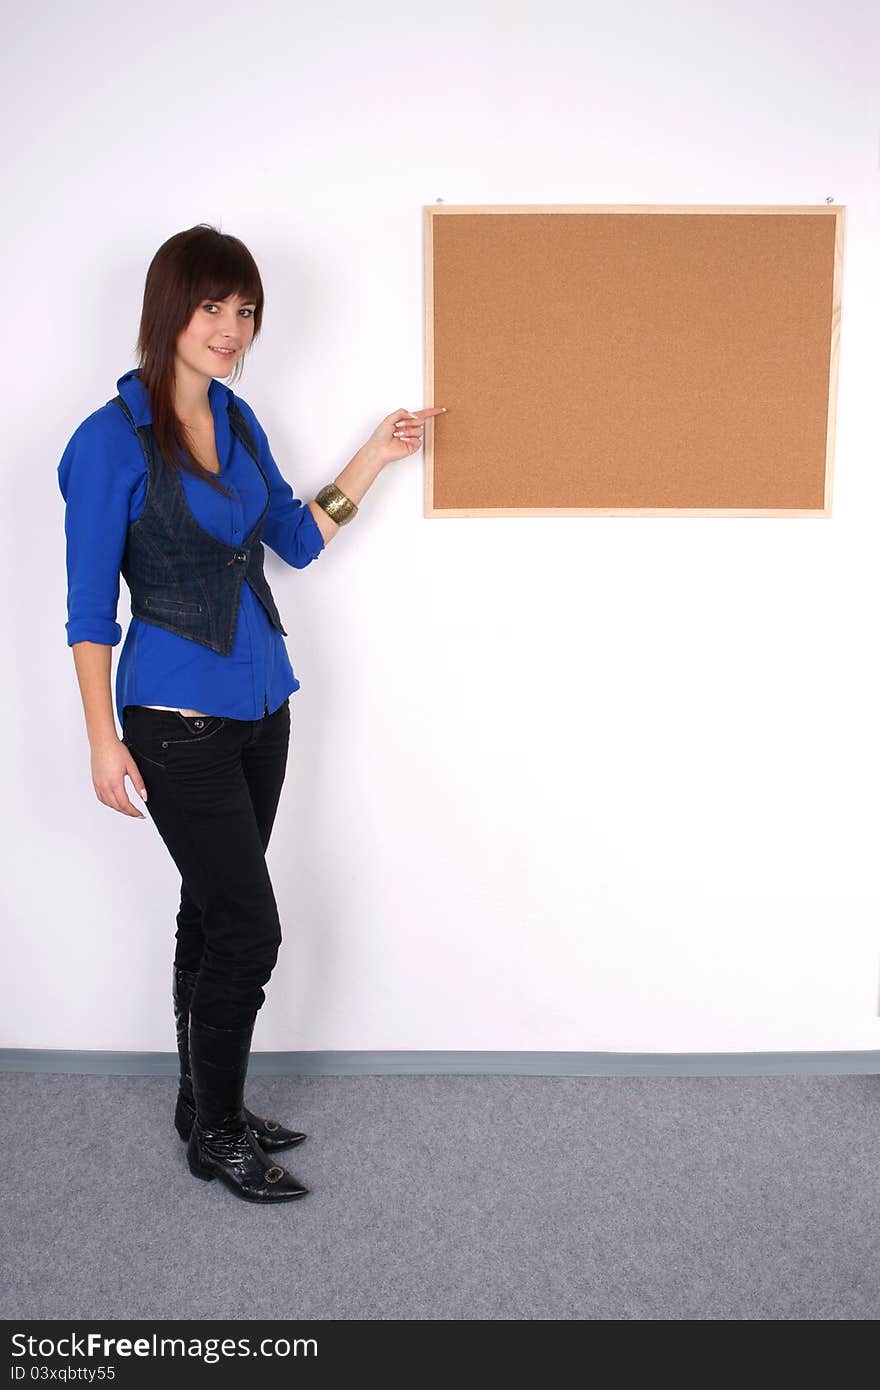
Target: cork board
[631,360]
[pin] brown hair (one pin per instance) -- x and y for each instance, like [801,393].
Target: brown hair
[189,268]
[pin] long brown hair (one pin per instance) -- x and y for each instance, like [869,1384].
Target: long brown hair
[189,268]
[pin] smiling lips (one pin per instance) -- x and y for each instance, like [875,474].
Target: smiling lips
[224,352]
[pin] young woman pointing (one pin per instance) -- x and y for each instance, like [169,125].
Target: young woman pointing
[172,484]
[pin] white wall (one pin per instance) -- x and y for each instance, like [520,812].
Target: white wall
[589,783]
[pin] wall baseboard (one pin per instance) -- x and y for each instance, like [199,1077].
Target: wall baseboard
[459,1063]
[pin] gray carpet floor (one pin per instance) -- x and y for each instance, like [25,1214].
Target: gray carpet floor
[453,1197]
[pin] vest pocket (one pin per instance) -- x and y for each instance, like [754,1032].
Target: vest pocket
[171,605]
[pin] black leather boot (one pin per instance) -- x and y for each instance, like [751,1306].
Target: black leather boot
[269,1134]
[221,1143]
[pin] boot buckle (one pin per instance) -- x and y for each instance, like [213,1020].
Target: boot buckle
[271,1125]
[274,1174]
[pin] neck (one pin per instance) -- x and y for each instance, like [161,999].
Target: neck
[191,402]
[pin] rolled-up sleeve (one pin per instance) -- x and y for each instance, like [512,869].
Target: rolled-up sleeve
[289,528]
[96,486]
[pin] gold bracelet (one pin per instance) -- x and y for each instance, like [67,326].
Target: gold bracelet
[338,507]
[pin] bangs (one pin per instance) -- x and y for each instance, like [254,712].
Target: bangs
[224,267]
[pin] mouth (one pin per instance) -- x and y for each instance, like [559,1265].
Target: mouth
[224,352]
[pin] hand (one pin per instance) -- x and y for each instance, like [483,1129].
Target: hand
[111,764]
[399,434]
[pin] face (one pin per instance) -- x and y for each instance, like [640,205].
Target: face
[224,323]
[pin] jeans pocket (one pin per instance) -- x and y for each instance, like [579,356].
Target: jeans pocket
[193,728]
[150,733]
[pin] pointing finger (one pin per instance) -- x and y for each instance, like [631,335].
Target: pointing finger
[420,414]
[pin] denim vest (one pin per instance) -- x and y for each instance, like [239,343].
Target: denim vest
[181,577]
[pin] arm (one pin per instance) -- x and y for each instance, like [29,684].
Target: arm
[96,480]
[92,663]
[354,480]
[97,474]
[111,762]
[395,437]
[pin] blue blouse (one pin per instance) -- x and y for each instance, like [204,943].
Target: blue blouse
[103,480]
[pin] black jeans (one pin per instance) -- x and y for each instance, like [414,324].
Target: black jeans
[213,786]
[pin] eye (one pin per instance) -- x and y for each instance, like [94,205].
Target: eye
[245,310]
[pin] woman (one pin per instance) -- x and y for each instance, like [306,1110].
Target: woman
[173,485]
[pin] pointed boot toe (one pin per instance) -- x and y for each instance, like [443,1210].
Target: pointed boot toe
[240,1162]
[270,1135]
